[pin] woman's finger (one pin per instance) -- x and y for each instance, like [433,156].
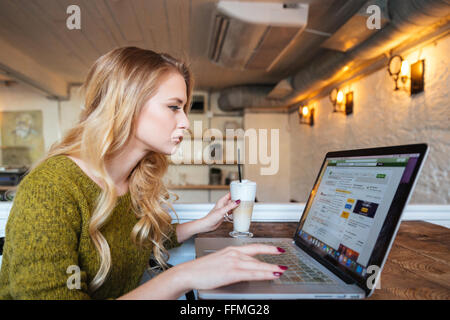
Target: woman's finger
[255,264]
[230,206]
[255,275]
[256,248]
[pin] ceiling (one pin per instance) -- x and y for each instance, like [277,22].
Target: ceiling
[35,32]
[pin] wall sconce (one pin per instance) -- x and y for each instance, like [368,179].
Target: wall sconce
[399,69]
[342,102]
[306,115]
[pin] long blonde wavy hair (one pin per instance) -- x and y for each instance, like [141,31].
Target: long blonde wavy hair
[116,88]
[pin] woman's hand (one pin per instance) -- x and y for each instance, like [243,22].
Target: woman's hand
[209,222]
[227,266]
[215,217]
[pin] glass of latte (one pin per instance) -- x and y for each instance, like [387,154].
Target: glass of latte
[242,215]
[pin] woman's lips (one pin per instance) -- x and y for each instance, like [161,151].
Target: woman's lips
[178,139]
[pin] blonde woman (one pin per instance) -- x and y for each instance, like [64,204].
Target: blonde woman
[87,218]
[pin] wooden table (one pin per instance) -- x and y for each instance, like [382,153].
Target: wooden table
[418,266]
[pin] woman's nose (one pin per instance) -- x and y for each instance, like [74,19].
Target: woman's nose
[184,122]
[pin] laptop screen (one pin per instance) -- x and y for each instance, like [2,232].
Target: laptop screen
[349,204]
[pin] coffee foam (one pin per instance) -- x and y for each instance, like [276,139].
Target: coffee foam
[244,191]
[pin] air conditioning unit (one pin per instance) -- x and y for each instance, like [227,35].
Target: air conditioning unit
[254,35]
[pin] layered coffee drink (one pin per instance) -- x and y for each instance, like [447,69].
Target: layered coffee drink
[242,215]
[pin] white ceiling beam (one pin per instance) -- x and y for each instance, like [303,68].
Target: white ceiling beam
[24,68]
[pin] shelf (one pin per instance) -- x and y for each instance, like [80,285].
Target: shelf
[199,187]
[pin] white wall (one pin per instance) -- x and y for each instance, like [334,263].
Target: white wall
[71,109]
[383,117]
[271,188]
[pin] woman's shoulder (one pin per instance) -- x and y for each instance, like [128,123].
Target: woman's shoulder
[54,170]
[60,176]
[56,174]
[58,164]
[45,191]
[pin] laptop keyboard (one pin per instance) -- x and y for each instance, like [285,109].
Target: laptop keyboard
[299,272]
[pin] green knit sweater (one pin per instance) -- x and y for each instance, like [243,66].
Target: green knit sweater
[47,233]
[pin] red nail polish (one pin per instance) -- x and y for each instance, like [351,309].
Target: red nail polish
[238,201]
[281,249]
[283,267]
[277,274]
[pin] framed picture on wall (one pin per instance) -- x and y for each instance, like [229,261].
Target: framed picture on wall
[22,137]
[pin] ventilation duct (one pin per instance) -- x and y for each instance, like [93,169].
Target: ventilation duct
[253,35]
[235,97]
[355,30]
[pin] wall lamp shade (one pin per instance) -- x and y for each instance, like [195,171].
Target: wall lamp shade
[342,102]
[417,77]
[306,115]
[349,103]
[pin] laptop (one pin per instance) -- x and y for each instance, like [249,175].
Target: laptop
[345,233]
